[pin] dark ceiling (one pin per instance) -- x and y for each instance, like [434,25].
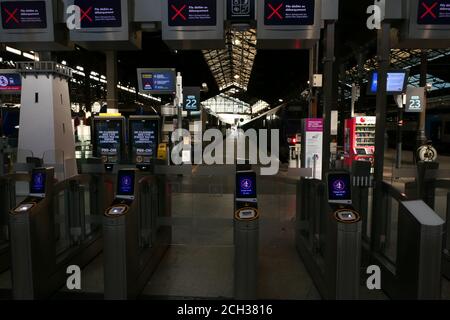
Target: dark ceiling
[276,73]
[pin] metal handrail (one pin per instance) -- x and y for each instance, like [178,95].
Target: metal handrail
[393,192]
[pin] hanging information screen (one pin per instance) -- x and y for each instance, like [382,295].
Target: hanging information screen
[10,83]
[289,12]
[434,12]
[24,15]
[156,81]
[144,139]
[191,13]
[100,13]
[397,81]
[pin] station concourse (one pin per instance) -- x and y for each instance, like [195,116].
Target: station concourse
[234,150]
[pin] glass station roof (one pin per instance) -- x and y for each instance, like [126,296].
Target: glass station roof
[232,66]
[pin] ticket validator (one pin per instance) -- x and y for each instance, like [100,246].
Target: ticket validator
[346,249]
[31,261]
[246,233]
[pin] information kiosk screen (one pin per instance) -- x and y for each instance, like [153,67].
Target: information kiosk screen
[24,15]
[245,185]
[125,183]
[339,188]
[144,139]
[100,13]
[108,137]
[37,183]
[397,81]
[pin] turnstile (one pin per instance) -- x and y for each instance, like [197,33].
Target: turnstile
[134,242]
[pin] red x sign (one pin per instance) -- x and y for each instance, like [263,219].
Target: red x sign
[275,11]
[429,10]
[11,16]
[85,14]
[178,12]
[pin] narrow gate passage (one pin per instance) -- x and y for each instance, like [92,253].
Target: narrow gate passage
[199,264]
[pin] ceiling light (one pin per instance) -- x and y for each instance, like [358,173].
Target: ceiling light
[236,76]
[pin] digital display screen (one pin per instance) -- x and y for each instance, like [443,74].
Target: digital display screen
[158,81]
[108,135]
[339,187]
[245,185]
[288,12]
[144,143]
[37,183]
[434,12]
[396,82]
[100,13]
[125,183]
[192,13]
[191,97]
[10,82]
[24,15]
[239,10]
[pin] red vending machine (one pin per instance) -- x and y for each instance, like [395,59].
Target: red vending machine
[359,143]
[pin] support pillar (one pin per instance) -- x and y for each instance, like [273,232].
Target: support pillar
[111,76]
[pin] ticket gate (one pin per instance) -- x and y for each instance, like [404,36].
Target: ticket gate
[134,243]
[38,267]
[246,234]
[328,235]
[347,233]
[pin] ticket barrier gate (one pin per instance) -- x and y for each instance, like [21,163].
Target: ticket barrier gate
[415,271]
[7,202]
[246,236]
[328,235]
[38,267]
[134,243]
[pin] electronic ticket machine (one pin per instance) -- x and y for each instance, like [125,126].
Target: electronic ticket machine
[246,233]
[346,248]
[144,137]
[109,140]
[31,222]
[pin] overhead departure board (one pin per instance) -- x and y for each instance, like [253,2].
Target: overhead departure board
[289,12]
[23,15]
[191,13]
[434,12]
[100,13]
